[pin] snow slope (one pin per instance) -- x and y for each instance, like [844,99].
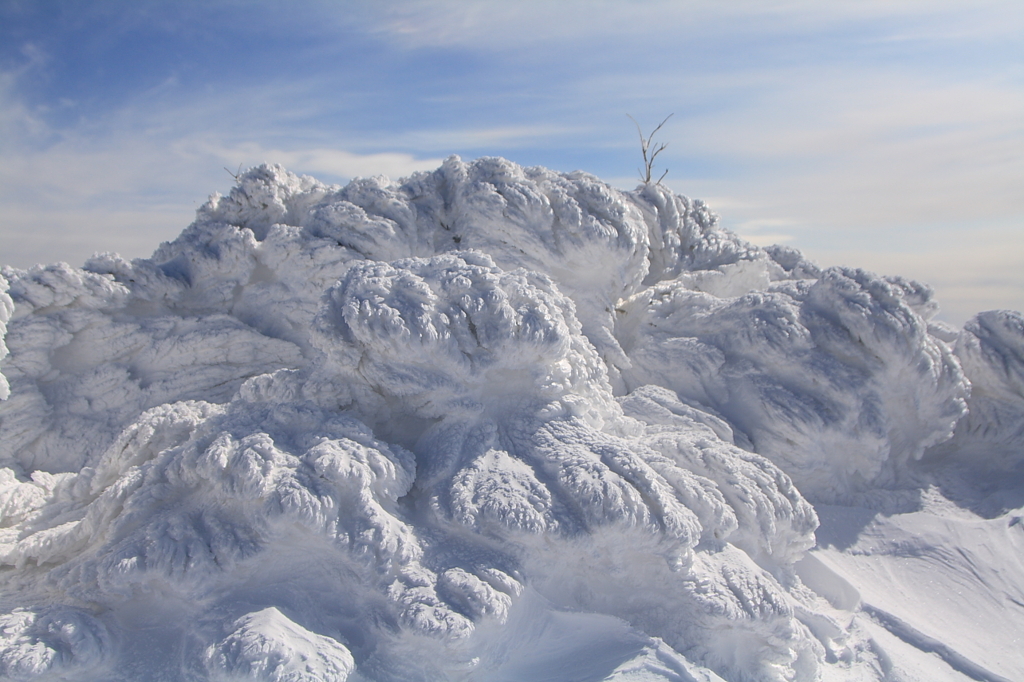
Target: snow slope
[500,423]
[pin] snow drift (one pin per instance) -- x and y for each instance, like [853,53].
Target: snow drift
[422,430]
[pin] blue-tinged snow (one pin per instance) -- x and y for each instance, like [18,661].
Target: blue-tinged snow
[499,423]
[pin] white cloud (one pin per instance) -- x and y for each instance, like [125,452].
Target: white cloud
[496,24]
[334,162]
[863,148]
[133,179]
[130,193]
[18,123]
[489,137]
[765,232]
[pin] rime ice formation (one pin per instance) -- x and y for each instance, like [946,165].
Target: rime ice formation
[485,423]
[835,379]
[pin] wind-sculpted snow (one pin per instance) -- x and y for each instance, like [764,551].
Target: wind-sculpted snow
[421,430]
[268,646]
[836,380]
[194,496]
[52,643]
[991,350]
[597,243]
[6,308]
[455,333]
[90,357]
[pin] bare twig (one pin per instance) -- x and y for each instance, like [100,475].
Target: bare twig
[237,174]
[645,149]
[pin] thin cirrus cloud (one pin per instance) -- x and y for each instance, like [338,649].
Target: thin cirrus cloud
[876,134]
[874,153]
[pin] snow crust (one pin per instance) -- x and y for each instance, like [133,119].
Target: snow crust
[487,422]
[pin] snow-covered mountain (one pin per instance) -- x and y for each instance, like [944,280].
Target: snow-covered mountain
[497,423]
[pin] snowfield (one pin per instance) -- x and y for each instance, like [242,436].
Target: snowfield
[500,424]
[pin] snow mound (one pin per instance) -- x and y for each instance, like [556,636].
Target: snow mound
[51,643]
[266,646]
[398,431]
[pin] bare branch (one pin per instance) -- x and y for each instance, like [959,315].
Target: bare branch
[653,132]
[643,142]
[645,146]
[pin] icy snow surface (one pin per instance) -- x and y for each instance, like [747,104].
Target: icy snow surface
[496,423]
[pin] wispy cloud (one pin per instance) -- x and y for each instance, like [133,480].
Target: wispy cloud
[496,25]
[508,137]
[133,177]
[880,150]
[334,162]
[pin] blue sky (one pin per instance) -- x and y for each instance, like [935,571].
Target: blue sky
[882,134]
